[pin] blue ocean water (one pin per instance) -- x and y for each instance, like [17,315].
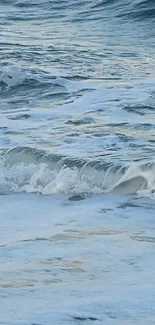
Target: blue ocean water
[77,167]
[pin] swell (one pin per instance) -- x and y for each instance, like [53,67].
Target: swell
[81,9]
[33,171]
[138,9]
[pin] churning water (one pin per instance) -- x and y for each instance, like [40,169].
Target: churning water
[77,162]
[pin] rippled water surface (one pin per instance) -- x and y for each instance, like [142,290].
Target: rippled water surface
[77,168]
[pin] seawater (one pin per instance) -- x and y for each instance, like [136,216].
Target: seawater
[77,168]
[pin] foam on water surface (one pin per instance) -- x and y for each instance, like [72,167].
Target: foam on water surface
[32,171]
[69,267]
[77,168]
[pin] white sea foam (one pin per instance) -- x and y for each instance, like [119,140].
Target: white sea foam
[52,177]
[13,76]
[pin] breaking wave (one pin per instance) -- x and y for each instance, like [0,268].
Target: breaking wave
[12,76]
[33,171]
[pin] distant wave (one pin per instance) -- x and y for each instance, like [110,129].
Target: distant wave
[81,9]
[29,170]
[140,10]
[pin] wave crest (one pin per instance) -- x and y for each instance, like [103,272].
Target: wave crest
[13,76]
[31,171]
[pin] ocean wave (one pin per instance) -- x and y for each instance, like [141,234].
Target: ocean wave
[81,10]
[13,76]
[138,9]
[32,171]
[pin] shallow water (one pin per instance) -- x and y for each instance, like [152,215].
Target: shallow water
[73,262]
[77,168]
